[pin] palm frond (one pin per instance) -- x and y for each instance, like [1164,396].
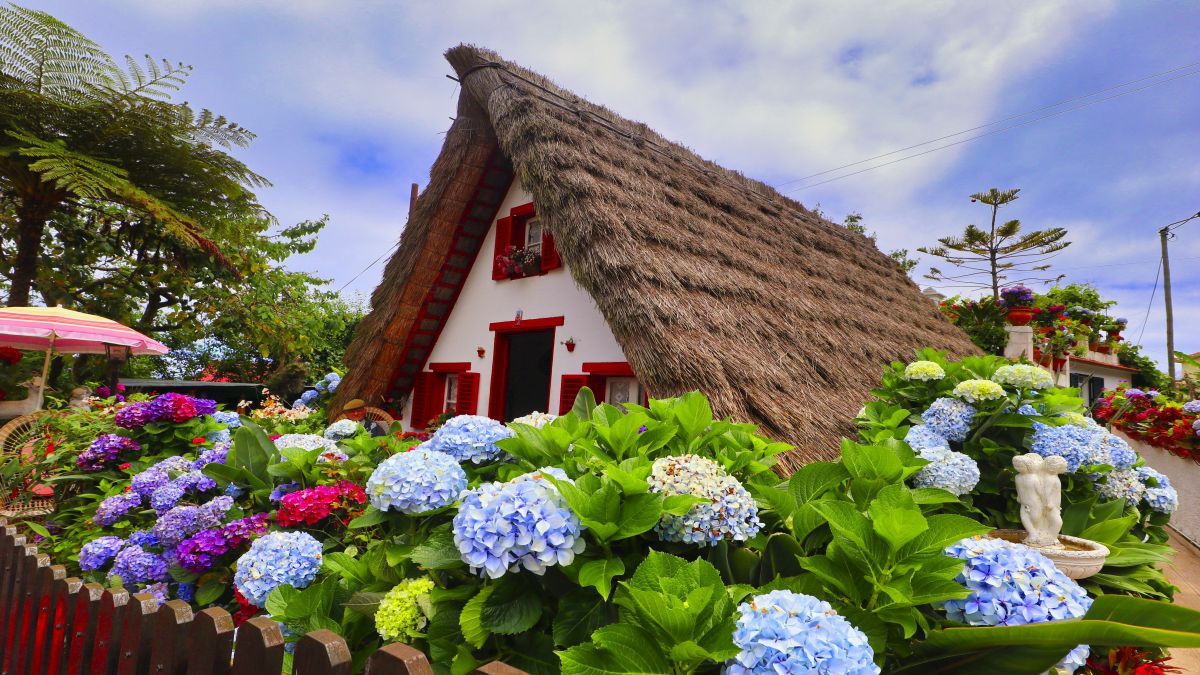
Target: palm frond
[79,175]
[49,57]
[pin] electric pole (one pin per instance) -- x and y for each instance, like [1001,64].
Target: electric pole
[1163,235]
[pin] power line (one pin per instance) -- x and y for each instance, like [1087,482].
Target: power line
[989,124]
[369,266]
[1150,304]
[989,133]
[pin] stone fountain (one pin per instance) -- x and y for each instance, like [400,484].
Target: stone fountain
[1039,490]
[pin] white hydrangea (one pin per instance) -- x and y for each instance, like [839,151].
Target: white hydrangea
[1024,376]
[974,391]
[923,371]
[536,419]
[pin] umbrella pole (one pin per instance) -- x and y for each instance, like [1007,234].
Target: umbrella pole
[46,364]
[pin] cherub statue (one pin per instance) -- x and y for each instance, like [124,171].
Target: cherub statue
[79,398]
[1039,490]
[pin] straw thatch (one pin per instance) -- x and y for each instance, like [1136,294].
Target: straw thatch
[708,280]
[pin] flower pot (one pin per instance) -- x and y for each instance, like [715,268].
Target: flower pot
[1058,364]
[1093,346]
[1020,316]
[1103,348]
[1114,336]
[1045,330]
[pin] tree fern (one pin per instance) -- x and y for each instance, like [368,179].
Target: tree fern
[49,57]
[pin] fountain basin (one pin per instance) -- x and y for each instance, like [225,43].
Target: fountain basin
[1077,558]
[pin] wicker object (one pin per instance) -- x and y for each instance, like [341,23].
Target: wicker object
[15,436]
[375,415]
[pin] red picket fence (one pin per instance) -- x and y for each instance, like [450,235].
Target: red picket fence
[52,624]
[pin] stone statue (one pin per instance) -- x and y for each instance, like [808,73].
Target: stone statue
[1039,490]
[79,398]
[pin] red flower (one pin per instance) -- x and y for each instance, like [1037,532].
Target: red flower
[123,466]
[9,355]
[245,609]
[199,440]
[275,436]
[312,505]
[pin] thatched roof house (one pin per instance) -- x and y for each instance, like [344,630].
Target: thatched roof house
[706,279]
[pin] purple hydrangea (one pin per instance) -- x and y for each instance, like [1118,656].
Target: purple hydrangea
[1192,407]
[214,455]
[134,416]
[143,538]
[135,565]
[157,589]
[97,552]
[106,450]
[157,475]
[283,489]
[183,521]
[198,552]
[1016,296]
[172,407]
[167,497]
[114,508]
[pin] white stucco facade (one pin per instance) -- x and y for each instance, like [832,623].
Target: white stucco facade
[484,300]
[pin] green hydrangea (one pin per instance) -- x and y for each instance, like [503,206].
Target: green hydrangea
[398,615]
[974,391]
[924,371]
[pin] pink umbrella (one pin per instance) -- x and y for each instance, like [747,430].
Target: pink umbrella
[69,332]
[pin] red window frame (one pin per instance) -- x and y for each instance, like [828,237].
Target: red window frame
[429,391]
[510,231]
[595,377]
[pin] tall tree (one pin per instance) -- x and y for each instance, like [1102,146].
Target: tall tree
[1000,254]
[78,131]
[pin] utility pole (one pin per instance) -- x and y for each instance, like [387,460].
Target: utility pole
[1163,235]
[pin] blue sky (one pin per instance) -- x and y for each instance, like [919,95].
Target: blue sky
[349,101]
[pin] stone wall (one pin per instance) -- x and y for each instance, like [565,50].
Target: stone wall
[1185,476]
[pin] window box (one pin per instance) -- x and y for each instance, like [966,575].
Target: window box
[524,245]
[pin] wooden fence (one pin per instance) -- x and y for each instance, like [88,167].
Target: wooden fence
[52,624]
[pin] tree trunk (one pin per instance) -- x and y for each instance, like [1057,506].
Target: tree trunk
[31,225]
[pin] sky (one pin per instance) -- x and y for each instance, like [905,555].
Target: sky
[350,102]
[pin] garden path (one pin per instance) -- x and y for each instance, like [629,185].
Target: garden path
[1184,572]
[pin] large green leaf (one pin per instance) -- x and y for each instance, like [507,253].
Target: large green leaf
[580,613]
[471,619]
[599,574]
[814,479]
[511,608]
[871,462]
[438,552]
[896,517]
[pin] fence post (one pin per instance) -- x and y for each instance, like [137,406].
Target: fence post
[83,628]
[497,668]
[12,547]
[259,647]
[171,625]
[211,646]
[108,630]
[322,652]
[62,599]
[137,633]
[43,622]
[398,659]
[28,603]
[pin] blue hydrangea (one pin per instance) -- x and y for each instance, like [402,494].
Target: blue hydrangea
[1192,407]
[729,511]
[167,497]
[282,489]
[135,565]
[1146,475]
[1160,495]
[524,523]
[1027,409]
[185,592]
[1118,452]
[143,538]
[114,508]
[949,418]
[341,429]
[1013,585]
[277,559]
[229,418]
[97,552]
[416,481]
[232,490]
[182,522]
[921,438]
[219,436]
[1121,484]
[158,475]
[470,437]
[783,632]
[1078,445]
[951,471]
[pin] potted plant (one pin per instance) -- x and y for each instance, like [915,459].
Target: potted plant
[1115,328]
[516,263]
[1019,301]
[1054,346]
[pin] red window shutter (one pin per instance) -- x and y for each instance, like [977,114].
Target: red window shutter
[468,394]
[426,398]
[550,259]
[571,384]
[597,383]
[503,241]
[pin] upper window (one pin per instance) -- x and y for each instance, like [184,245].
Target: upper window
[620,390]
[451,400]
[524,245]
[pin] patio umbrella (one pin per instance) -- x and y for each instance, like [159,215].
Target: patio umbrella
[70,332]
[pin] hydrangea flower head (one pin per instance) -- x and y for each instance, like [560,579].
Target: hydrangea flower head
[198,553]
[133,415]
[1134,393]
[172,407]
[1027,409]
[312,505]
[1121,484]
[1013,585]
[183,521]
[919,438]
[952,471]
[97,552]
[786,632]
[416,481]
[1117,451]
[522,523]
[730,512]
[157,475]
[279,558]
[536,419]
[106,450]
[949,418]
[143,538]
[1080,446]
[399,616]
[229,418]
[1192,407]
[974,391]
[341,429]
[137,566]
[1024,376]
[470,437]
[923,371]
[114,508]
[213,455]
[283,489]
[305,442]
[332,457]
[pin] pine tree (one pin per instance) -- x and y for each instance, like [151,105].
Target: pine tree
[992,258]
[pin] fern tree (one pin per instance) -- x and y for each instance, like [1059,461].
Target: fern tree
[77,131]
[999,255]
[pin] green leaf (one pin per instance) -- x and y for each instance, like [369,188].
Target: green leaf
[579,614]
[639,513]
[209,592]
[371,517]
[616,648]
[933,496]
[39,529]
[365,603]
[438,552]
[814,479]
[1110,531]
[285,602]
[585,402]
[871,462]
[471,619]
[347,567]
[679,505]
[511,608]
[599,574]
[895,516]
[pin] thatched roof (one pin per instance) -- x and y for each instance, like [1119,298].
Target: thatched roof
[709,280]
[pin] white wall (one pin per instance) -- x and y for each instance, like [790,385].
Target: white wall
[1185,478]
[484,301]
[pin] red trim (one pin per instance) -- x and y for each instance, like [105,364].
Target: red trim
[1102,364]
[608,368]
[468,394]
[455,367]
[523,211]
[526,324]
[571,384]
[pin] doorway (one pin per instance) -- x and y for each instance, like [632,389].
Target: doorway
[523,367]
